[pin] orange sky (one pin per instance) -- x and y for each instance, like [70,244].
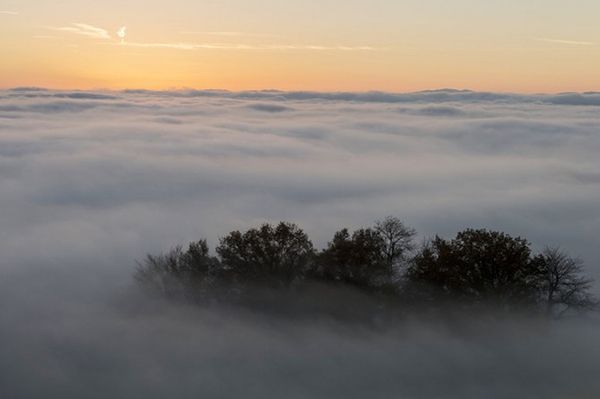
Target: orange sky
[522,46]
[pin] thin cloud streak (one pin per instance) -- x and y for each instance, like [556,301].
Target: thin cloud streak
[100,33]
[229,34]
[240,46]
[9,12]
[85,30]
[569,42]
[46,37]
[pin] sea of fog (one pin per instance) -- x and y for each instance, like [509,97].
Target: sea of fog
[91,181]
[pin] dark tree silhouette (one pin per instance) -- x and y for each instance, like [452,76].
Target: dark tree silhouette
[478,266]
[563,287]
[398,242]
[180,274]
[271,255]
[357,260]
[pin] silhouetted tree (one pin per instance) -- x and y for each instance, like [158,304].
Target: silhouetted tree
[271,255]
[180,274]
[478,266]
[563,287]
[397,240]
[358,260]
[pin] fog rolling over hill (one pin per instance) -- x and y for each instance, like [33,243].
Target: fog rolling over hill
[92,181]
[106,177]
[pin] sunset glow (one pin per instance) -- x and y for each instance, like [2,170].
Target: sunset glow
[531,46]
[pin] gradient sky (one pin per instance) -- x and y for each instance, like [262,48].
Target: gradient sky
[394,45]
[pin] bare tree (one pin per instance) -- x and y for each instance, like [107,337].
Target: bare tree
[398,241]
[179,274]
[564,288]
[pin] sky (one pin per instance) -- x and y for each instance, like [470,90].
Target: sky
[325,45]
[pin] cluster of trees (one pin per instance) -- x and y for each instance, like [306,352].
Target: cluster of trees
[477,267]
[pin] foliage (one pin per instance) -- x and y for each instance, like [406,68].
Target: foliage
[477,267]
[271,255]
[357,260]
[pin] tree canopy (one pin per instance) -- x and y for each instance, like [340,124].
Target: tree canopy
[476,267]
[271,255]
[357,259]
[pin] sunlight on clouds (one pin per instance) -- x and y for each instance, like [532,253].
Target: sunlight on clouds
[122,33]
[85,30]
[100,33]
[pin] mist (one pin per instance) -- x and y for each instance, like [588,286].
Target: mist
[92,181]
[57,345]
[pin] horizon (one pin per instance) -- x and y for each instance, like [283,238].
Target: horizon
[280,90]
[275,89]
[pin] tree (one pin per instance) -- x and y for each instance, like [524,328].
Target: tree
[179,274]
[357,260]
[271,255]
[563,288]
[478,266]
[397,241]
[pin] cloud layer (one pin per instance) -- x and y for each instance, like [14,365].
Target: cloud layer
[91,181]
[136,171]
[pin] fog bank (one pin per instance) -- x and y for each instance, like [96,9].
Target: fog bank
[91,181]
